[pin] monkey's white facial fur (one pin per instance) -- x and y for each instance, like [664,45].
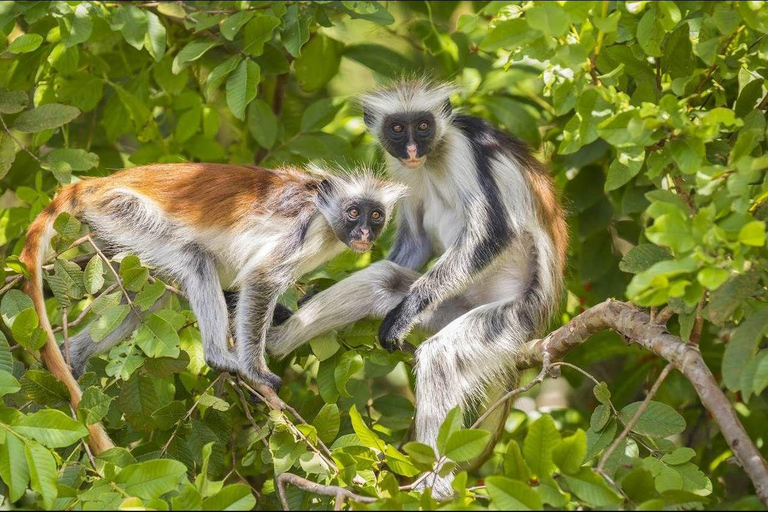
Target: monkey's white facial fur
[409,118]
[357,206]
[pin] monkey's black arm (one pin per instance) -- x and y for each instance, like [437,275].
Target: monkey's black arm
[412,248]
[483,238]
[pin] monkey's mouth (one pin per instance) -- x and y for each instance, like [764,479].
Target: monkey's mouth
[413,163]
[360,246]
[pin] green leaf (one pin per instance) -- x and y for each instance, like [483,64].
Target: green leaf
[399,463]
[679,456]
[219,74]
[508,494]
[327,423]
[591,488]
[108,322]
[380,59]
[242,86]
[75,159]
[365,434]
[257,32]
[168,415]
[154,40]
[549,18]
[650,33]
[157,337]
[232,25]
[45,117]
[742,347]
[464,445]
[231,497]
[79,28]
[601,391]
[421,453]
[350,363]
[42,472]
[7,153]
[151,479]
[541,439]
[8,383]
[451,424]
[93,275]
[712,278]
[509,35]
[262,123]
[570,453]
[753,233]
[12,102]
[191,52]
[24,327]
[132,22]
[25,43]
[149,294]
[94,404]
[318,63]
[658,420]
[319,114]
[52,428]
[514,463]
[13,466]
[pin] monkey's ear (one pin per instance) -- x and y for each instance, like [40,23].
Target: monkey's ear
[447,108]
[368,118]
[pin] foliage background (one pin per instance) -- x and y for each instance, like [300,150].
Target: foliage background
[651,116]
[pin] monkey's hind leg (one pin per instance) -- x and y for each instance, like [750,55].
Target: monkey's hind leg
[203,289]
[254,313]
[456,366]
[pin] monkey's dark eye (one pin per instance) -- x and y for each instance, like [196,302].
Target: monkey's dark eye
[397,128]
[377,216]
[423,126]
[353,213]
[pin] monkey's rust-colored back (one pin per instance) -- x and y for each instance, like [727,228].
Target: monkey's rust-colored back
[202,195]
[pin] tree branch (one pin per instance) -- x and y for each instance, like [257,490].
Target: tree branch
[635,325]
[324,490]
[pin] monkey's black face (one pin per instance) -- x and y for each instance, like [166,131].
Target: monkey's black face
[360,224]
[409,136]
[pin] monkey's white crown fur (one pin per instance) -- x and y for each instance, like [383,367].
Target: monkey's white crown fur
[410,95]
[360,183]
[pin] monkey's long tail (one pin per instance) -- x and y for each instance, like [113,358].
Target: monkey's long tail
[33,254]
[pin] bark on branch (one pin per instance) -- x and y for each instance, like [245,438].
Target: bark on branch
[636,325]
[334,491]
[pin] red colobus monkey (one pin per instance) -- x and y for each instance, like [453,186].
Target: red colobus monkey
[208,227]
[486,209]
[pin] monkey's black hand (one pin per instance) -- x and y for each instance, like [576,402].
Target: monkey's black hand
[281,314]
[395,326]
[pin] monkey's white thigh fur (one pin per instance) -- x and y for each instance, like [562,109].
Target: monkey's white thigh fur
[460,363]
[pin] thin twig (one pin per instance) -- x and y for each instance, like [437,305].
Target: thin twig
[19,143]
[333,491]
[189,413]
[10,284]
[88,308]
[632,422]
[117,277]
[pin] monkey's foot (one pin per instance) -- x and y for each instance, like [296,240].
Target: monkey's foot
[441,486]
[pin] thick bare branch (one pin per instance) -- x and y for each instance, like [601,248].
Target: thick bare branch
[324,490]
[635,325]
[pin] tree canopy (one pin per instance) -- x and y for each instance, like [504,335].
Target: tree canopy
[651,117]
